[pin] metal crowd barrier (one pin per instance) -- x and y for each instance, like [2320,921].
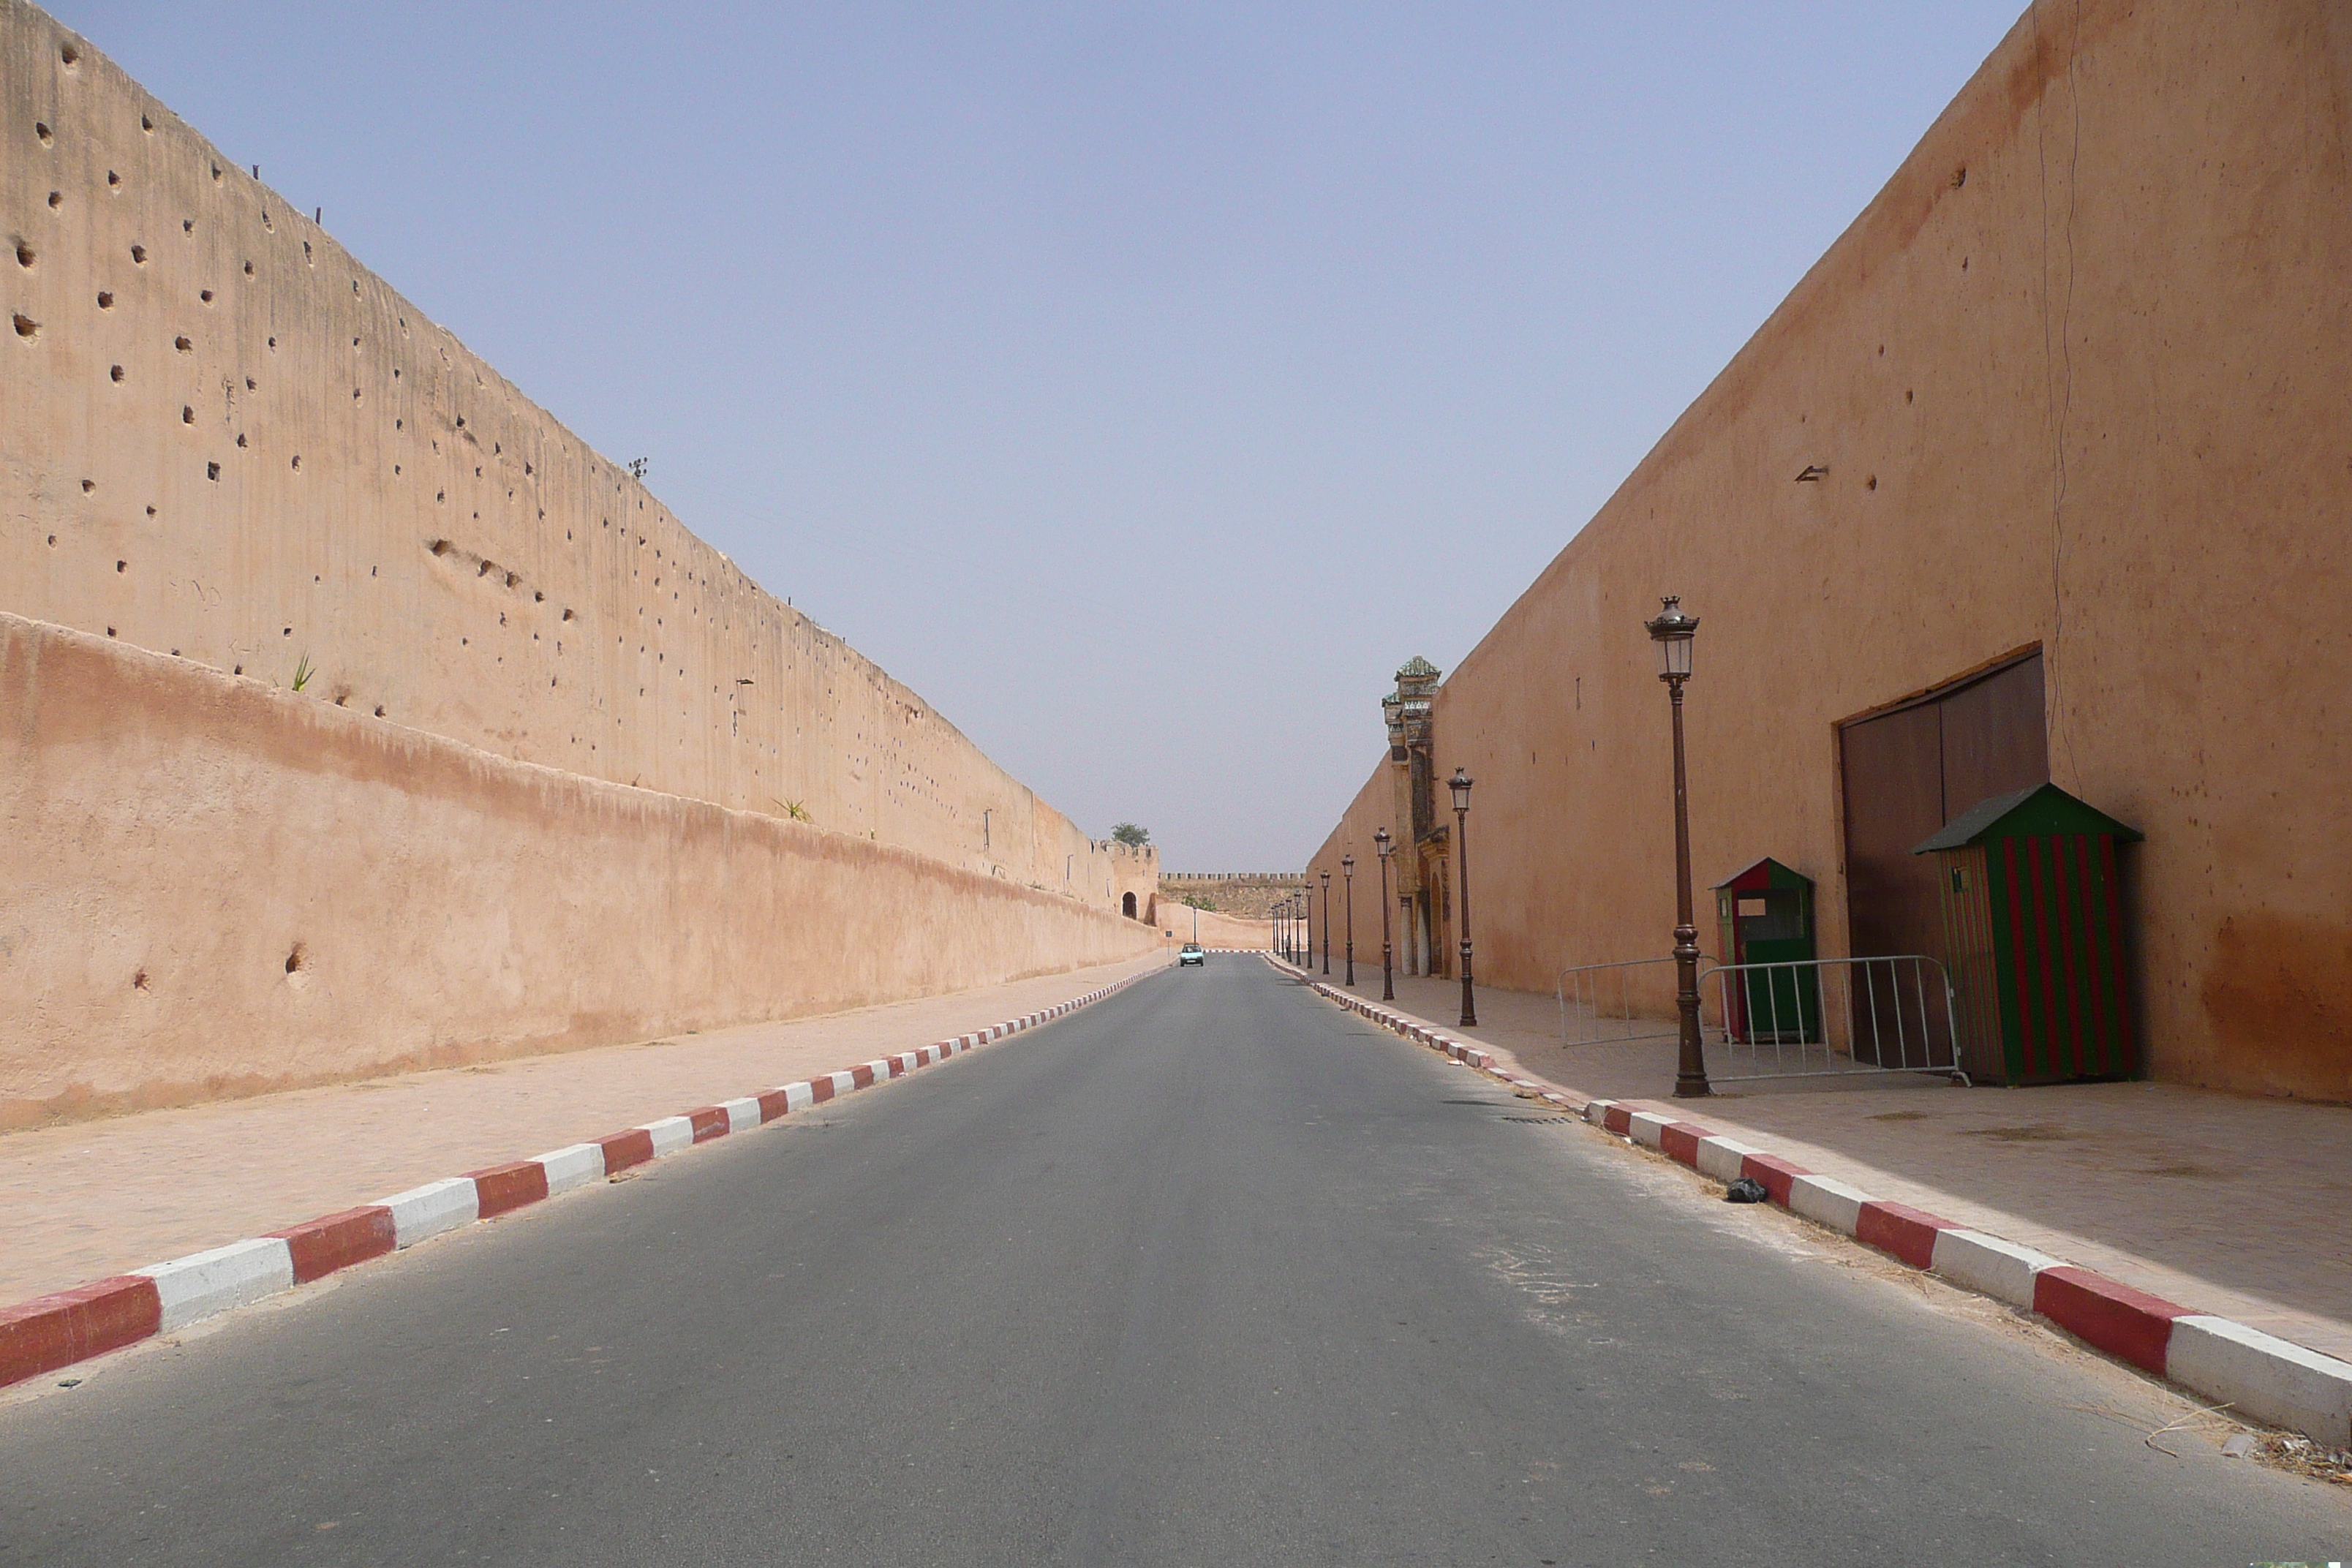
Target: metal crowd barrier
[1826,1017]
[1597,1005]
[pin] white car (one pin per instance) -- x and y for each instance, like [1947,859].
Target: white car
[1190,953]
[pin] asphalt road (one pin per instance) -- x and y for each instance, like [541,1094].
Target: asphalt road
[1212,1273]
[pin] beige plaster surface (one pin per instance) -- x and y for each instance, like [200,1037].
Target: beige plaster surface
[96,1198]
[2075,380]
[210,886]
[2233,1203]
[223,438]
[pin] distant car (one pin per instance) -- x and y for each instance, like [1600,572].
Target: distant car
[1190,953]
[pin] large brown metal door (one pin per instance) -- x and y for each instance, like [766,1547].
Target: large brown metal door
[1909,773]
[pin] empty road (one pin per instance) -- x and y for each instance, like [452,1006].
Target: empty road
[1210,1273]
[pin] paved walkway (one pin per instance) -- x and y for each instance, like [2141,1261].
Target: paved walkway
[85,1201]
[2229,1204]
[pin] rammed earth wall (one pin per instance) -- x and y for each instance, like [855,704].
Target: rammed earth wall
[2073,382]
[212,886]
[534,790]
[221,435]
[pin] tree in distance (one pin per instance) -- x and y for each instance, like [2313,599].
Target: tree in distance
[1132,835]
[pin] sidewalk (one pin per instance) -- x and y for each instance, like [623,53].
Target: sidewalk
[97,1198]
[2228,1203]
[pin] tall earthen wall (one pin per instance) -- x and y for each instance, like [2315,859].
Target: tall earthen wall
[2075,379]
[224,439]
[355,715]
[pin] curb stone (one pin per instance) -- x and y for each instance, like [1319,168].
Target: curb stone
[68,1326]
[2249,1372]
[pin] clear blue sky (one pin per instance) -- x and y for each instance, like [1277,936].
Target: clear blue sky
[1140,384]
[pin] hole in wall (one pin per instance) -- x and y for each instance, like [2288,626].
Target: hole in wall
[184,345]
[238,671]
[105,300]
[139,255]
[109,631]
[273,345]
[295,960]
[205,295]
[151,512]
[240,437]
[248,383]
[44,133]
[379,709]
[57,198]
[1906,394]
[440,547]
[187,225]
[121,567]
[298,462]
[216,171]
[212,470]
[25,257]
[26,325]
[87,485]
[1871,483]
[72,56]
[248,269]
[187,414]
[113,181]
[114,373]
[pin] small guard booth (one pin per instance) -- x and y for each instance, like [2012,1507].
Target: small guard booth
[1766,916]
[2034,931]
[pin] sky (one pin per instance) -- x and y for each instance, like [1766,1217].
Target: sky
[1140,384]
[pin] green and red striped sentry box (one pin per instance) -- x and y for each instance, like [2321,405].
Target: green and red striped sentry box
[2034,930]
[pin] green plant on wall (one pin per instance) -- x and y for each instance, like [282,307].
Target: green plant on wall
[1128,834]
[302,672]
[793,810]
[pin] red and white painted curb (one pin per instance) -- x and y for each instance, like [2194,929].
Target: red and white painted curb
[54,1331]
[2245,1371]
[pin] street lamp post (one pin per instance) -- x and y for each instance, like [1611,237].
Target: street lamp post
[1460,785]
[1327,922]
[1348,883]
[1673,632]
[1282,927]
[1385,845]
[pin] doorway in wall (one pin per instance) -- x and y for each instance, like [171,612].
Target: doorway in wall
[1906,772]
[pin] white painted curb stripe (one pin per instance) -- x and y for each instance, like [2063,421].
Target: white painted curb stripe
[742,1115]
[433,1208]
[797,1097]
[574,1166]
[1650,1129]
[2263,1376]
[203,1283]
[842,1083]
[1721,1157]
[1989,1265]
[670,1134]
[1825,1201]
